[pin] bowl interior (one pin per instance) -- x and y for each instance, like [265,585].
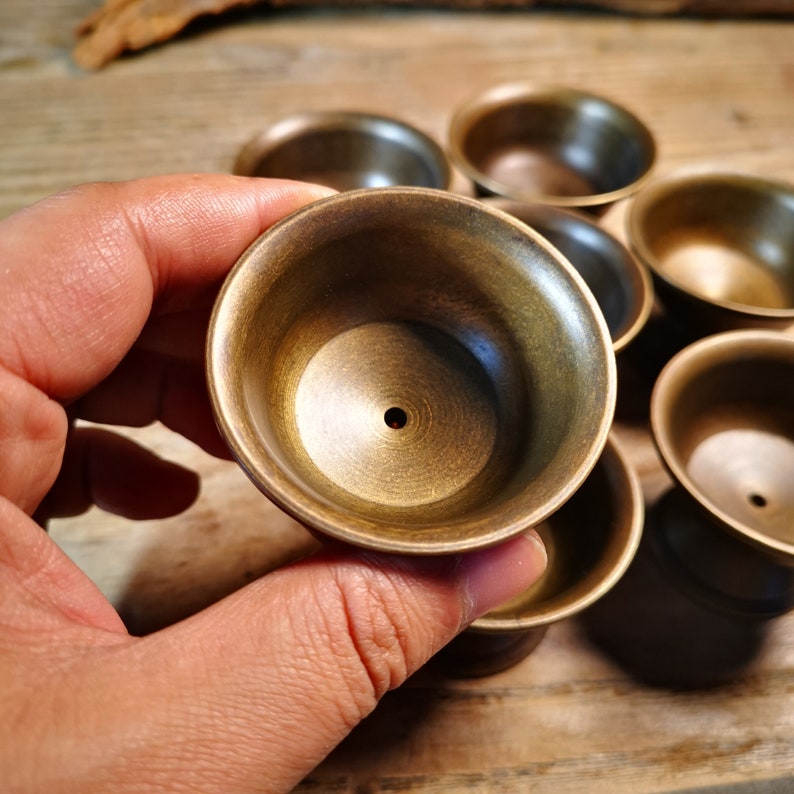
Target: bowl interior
[726,239]
[407,369]
[563,147]
[590,542]
[621,286]
[723,418]
[346,151]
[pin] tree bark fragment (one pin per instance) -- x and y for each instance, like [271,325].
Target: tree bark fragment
[121,26]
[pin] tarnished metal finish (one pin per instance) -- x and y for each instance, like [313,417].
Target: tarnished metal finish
[473,654]
[620,284]
[590,542]
[346,151]
[720,247]
[409,370]
[722,416]
[557,146]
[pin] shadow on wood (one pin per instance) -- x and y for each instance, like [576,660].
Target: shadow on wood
[664,637]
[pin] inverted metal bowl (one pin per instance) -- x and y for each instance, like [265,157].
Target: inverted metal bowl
[620,284]
[556,146]
[720,247]
[346,151]
[722,416]
[409,370]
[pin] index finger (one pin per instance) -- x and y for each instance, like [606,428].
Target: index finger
[83,270]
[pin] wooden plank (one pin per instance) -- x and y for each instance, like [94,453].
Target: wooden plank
[121,25]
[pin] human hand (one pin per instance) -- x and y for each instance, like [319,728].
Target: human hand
[105,293]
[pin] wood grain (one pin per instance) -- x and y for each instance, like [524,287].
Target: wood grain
[121,25]
[582,713]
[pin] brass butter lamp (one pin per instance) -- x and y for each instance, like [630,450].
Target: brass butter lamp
[551,145]
[411,371]
[720,247]
[621,285]
[590,541]
[716,562]
[346,150]
[722,416]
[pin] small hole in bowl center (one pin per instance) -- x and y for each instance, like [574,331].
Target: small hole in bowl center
[395,418]
[757,500]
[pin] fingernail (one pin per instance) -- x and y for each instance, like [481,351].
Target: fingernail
[496,575]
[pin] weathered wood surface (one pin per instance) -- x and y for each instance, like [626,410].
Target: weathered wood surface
[121,25]
[577,715]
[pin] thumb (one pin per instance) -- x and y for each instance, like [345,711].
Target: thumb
[252,694]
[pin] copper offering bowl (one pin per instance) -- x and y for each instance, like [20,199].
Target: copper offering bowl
[345,151]
[620,284]
[590,542]
[722,417]
[411,371]
[720,248]
[556,146]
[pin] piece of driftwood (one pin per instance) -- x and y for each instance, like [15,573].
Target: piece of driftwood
[127,25]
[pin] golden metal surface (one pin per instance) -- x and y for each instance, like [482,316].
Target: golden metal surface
[621,285]
[410,370]
[720,247]
[558,146]
[590,542]
[345,151]
[722,417]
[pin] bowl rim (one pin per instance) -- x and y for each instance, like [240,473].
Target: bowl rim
[289,495]
[292,127]
[614,456]
[640,274]
[642,204]
[478,105]
[722,347]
